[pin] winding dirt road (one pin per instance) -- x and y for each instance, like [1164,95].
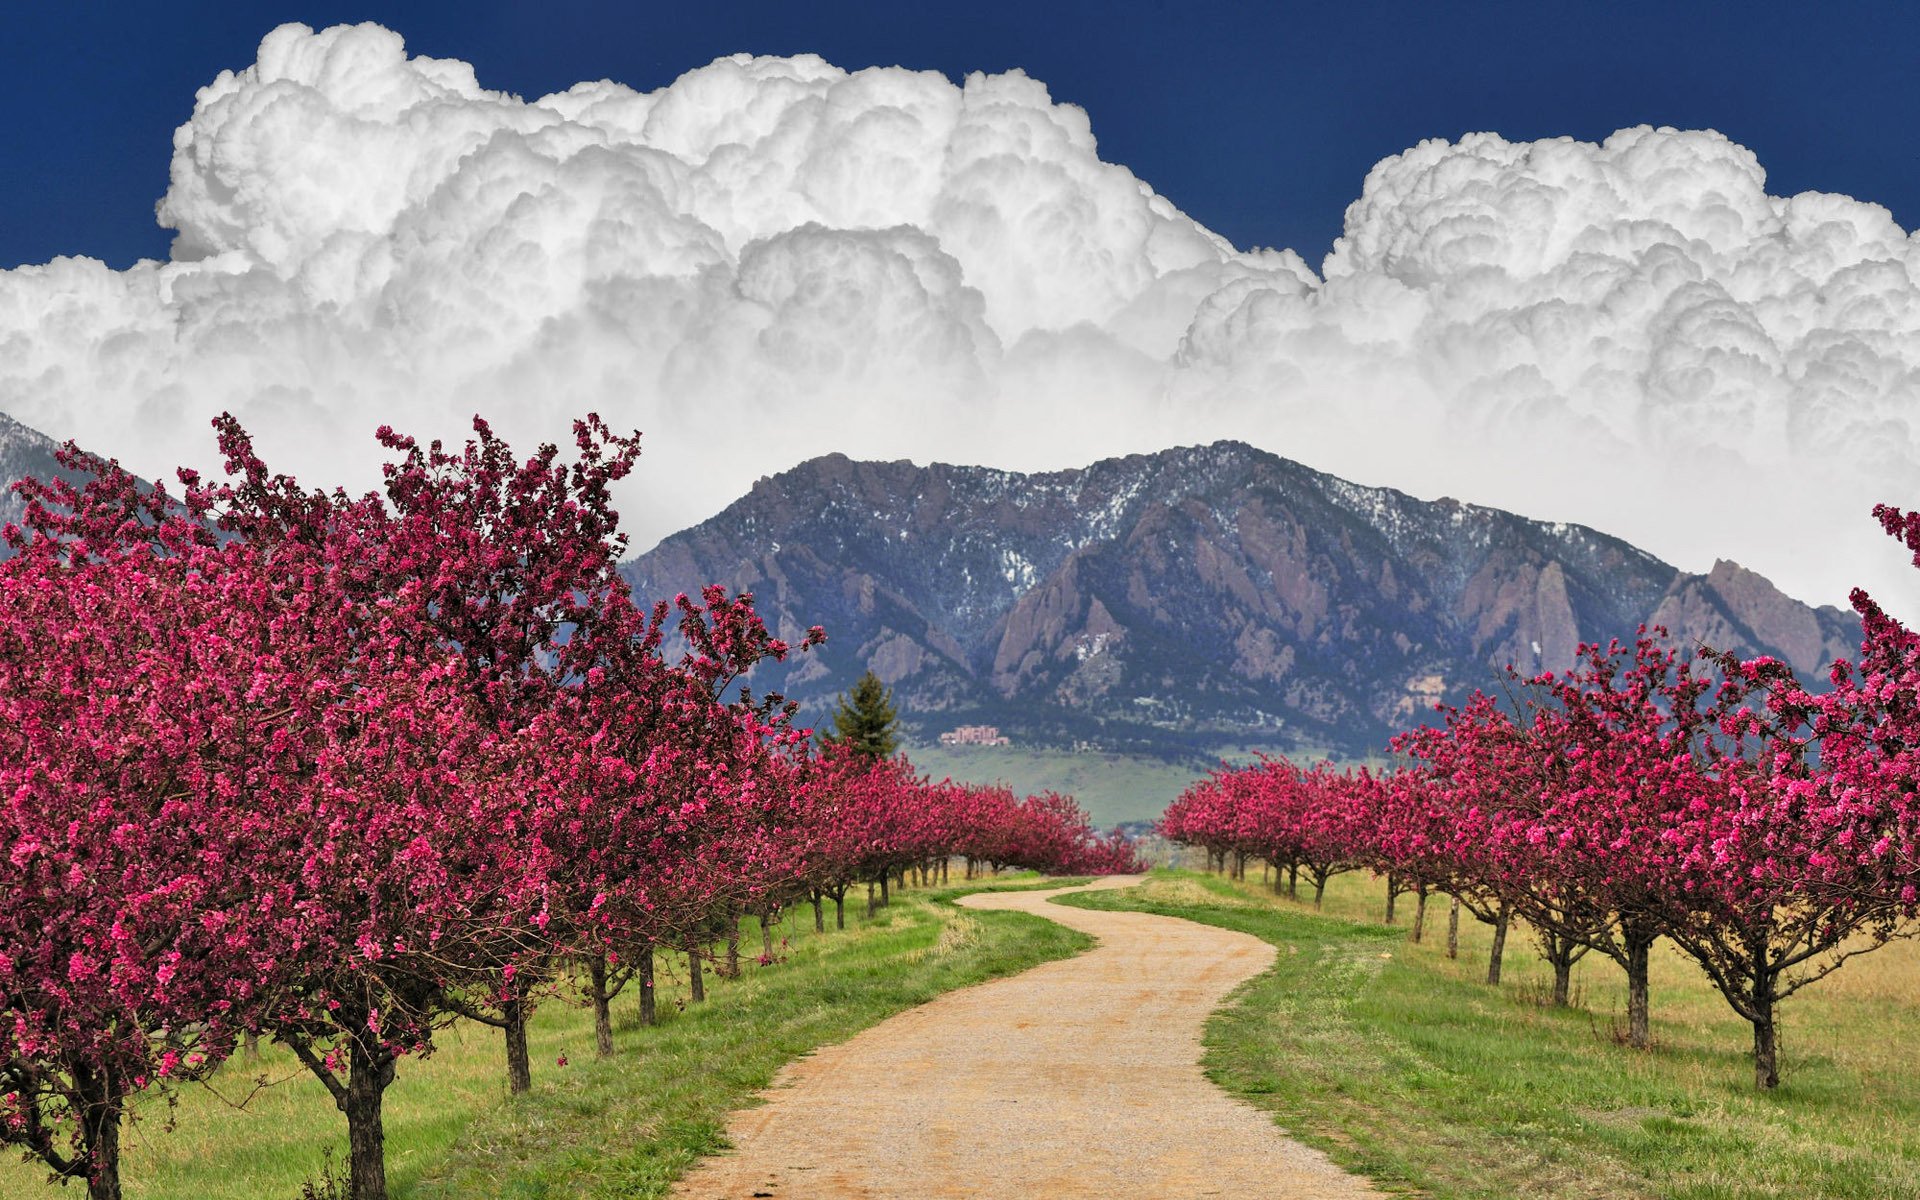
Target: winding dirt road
[1078,1078]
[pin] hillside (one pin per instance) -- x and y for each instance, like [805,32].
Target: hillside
[1200,597]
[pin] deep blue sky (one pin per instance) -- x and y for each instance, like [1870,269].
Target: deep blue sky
[1260,120]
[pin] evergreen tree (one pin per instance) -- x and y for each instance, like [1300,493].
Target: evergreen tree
[865,722]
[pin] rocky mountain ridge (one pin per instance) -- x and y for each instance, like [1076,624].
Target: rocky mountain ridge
[23,452]
[1198,597]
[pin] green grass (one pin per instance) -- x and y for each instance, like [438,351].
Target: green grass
[623,1127]
[1408,1069]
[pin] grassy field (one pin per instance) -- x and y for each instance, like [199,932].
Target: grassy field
[1111,787]
[624,1127]
[1405,1067]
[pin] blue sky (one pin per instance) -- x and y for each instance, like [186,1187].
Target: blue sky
[1260,120]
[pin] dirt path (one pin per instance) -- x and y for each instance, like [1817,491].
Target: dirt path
[1076,1078]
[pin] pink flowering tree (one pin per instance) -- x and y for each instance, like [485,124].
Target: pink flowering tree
[408,834]
[1779,883]
[1409,835]
[679,801]
[138,725]
[1462,779]
[502,561]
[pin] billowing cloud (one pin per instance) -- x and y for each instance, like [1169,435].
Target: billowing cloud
[774,258]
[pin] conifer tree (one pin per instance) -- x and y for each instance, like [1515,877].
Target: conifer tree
[865,722]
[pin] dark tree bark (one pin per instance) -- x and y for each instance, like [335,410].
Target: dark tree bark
[1561,953]
[519,1066]
[602,1005]
[104,1099]
[103,1153]
[1766,1049]
[1499,945]
[695,979]
[1453,929]
[369,1071]
[649,1010]
[819,914]
[1420,915]
[1638,941]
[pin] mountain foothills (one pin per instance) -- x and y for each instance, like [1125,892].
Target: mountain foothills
[1190,600]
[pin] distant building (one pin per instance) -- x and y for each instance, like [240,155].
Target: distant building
[973,735]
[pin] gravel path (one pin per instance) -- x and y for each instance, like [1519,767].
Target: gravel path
[1076,1078]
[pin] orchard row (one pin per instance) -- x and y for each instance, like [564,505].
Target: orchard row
[335,770]
[1770,832]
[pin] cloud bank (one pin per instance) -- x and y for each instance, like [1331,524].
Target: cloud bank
[774,258]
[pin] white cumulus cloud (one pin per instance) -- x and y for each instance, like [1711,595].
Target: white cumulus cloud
[774,258]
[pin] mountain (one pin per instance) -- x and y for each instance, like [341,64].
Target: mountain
[23,452]
[1179,602]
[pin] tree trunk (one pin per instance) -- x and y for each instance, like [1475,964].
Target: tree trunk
[1319,889]
[696,980]
[602,1008]
[1293,881]
[1499,946]
[1420,915]
[870,902]
[1562,973]
[733,948]
[649,1012]
[766,937]
[519,1068]
[885,899]
[943,871]
[1762,996]
[1453,929]
[1639,970]
[819,914]
[1766,1050]
[369,1071]
[840,909]
[103,1156]
[100,1133]
[1393,894]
